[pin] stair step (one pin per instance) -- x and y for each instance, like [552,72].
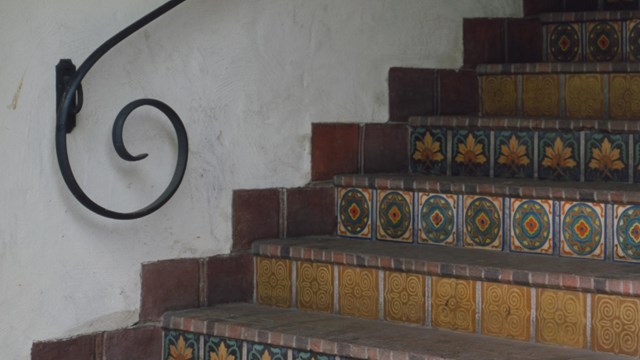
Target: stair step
[576,16]
[561,68]
[248,331]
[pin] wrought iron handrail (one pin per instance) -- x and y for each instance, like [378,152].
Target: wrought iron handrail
[69,103]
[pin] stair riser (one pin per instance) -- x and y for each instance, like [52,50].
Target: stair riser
[569,318]
[576,96]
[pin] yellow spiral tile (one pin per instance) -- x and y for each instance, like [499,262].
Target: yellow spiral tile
[506,311]
[624,96]
[453,304]
[273,281]
[561,318]
[499,95]
[404,297]
[358,292]
[314,286]
[541,95]
[615,324]
[584,96]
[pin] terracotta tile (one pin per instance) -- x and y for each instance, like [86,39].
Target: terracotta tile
[358,292]
[483,41]
[404,297]
[615,325]
[386,148]
[314,286]
[458,92]
[256,215]
[453,304]
[561,318]
[334,150]
[411,93]
[535,7]
[581,5]
[506,311]
[78,348]
[524,40]
[229,279]
[311,211]
[273,282]
[136,343]
[169,285]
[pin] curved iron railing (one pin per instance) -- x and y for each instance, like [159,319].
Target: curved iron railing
[69,97]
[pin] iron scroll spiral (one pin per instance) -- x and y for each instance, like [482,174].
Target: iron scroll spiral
[67,108]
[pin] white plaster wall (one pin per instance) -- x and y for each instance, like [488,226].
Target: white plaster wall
[247,76]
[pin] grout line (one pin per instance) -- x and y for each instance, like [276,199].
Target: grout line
[519,95]
[605,92]
[478,307]
[255,279]
[361,137]
[436,94]
[563,99]
[381,295]
[427,302]
[582,149]
[294,278]
[99,350]
[283,213]
[449,135]
[336,289]
[492,153]
[536,154]
[631,160]
[244,351]
[589,305]
[532,335]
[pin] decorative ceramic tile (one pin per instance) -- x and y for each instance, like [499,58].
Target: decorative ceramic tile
[615,324]
[217,348]
[429,151]
[499,95]
[506,311]
[513,154]
[395,217]
[273,281]
[314,286]
[263,352]
[582,230]
[470,153]
[355,212]
[309,355]
[453,304]
[358,292]
[404,298]
[180,345]
[559,156]
[437,219]
[607,157]
[561,318]
[603,41]
[483,222]
[627,233]
[541,95]
[636,157]
[531,229]
[624,96]
[564,42]
[584,95]
[633,48]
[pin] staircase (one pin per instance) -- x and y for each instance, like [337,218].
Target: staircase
[497,216]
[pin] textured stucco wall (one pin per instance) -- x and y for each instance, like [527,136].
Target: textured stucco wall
[248,77]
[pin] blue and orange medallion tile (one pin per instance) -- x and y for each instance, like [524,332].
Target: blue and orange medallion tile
[582,230]
[264,352]
[627,233]
[180,345]
[429,151]
[604,41]
[310,355]
[559,157]
[470,153]
[437,219]
[395,216]
[633,28]
[483,222]
[218,348]
[531,229]
[606,157]
[564,42]
[355,212]
[514,154]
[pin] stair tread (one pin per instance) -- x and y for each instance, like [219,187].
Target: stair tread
[478,264]
[609,192]
[555,17]
[558,67]
[357,338]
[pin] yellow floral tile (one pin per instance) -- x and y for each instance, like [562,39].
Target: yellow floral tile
[584,95]
[273,281]
[506,311]
[437,219]
[314,286]
[355,212]
[531,226]
[499,95]
[541,95]
[358,292]
[453,304]
[404,297]
[624,96]
[582,230]
[615,324]
[395,215]
[561,318]
[483,222]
